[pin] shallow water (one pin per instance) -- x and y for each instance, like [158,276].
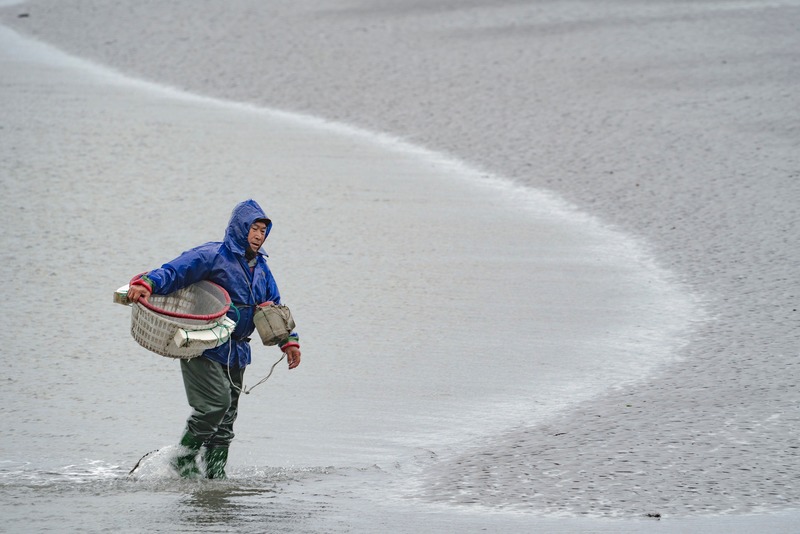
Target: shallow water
[438,306]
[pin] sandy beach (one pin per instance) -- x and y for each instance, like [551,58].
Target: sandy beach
[671,123]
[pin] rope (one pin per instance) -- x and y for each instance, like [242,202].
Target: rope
[247,391]
[244,389]
[238,313]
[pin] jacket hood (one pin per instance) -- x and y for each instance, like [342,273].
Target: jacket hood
[243,216]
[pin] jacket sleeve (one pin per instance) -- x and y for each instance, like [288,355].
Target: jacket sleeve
[190,267]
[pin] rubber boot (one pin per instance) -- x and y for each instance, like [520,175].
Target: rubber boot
[186,461]
[216,459]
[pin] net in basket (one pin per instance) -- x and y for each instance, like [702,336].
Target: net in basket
[184,323]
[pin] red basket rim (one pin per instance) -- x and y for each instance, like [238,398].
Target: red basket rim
[210,317]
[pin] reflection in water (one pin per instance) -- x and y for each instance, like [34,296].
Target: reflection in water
[256,504]
[227,505]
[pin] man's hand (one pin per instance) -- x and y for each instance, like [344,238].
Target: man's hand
[293,356]
[137,291]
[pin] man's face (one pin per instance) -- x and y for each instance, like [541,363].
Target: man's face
[257,235]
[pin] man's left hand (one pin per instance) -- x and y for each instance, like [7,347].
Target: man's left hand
[293,356]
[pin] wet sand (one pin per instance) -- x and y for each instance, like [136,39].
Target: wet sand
[670,122]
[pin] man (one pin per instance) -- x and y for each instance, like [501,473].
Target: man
[213,381]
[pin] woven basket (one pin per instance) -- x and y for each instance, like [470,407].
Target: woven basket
[162,322]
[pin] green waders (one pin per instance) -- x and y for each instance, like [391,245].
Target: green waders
[215,459]
[185,463]
[214,398]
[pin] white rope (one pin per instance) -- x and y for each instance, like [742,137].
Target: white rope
[247,391]
[244,389]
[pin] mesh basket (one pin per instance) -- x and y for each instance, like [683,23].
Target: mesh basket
[163,323]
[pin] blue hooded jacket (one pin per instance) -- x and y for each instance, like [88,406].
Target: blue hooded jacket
[224,263]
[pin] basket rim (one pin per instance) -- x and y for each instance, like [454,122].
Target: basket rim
[209,317]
